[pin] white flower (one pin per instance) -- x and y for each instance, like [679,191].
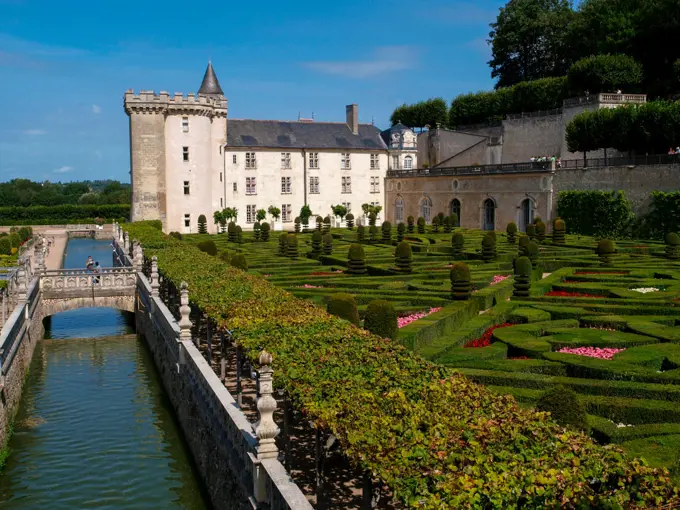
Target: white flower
[645,290]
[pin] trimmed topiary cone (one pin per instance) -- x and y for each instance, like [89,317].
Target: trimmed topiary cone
[202,224]
[326,225]
[532,252]
[559,231]
[522,283]
[373,234]
[564,407]
[239,234]
[672,246]
[488,248]
[453,218]
[343,305]
[461,287]
[349,221]
[327,244]
[522,245]
[291,246]
[256,230]
[386,229]
[403,257]
[421,225]
[511,230]
[231,232]
[239,261]
[283,244]
[356,260]
[435,224]
[447,224]
[372,218]
[264,232]
[319,223]
[297,225]
[531,231]
[606,249]
[361,233]
[458,244]
[540,231]
[401,230]
[316,243]
[381,319]
[410,222]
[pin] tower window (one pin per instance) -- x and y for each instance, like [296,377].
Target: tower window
[185,124]
[187,190]
[235,187]
[185,153]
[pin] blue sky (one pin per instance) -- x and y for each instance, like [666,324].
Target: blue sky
[64,67]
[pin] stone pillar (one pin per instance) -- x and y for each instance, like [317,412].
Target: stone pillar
[38,256]
[184,311]
[138,257]
[126,243]
[155,283]
[266,429]
[121,235]
[22,290]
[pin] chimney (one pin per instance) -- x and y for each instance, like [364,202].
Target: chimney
[352,111]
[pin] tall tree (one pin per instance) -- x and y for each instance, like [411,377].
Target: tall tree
[528,40]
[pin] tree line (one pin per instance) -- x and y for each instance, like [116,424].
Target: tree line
[26,193]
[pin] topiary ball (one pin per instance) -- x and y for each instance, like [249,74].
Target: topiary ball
[672,246]
[421,225]
[461,287]
[386,229]
[531,231]
[327,244]
[208,247]
[317,237]
[488,248]
[349,221]
[239,261]
[356,260]
[410,221]
[672,239]
[540,231]
[564,407]
[511,230]
[381,319]
[343,305]
[532,251]
[401,230]
[458,244]
[403,256]
[291,246]
[559,231]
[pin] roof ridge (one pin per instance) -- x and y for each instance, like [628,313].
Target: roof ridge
[302,121]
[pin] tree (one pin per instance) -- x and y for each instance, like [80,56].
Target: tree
[202,224]
[339,211]
[260,215]
[431,113]
[605,73]
[528,41]
[274,212]
[305,214]
[219,219]
[230,213]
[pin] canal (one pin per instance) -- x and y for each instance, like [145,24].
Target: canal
[94,429]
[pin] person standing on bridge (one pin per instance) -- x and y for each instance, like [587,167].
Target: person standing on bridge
[90,263]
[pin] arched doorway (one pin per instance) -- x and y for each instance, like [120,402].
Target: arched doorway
[489,222]
[455,209]
[426,209]
[527,214]
[399,210]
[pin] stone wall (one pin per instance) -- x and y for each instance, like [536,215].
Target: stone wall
[637,182]
[534,136]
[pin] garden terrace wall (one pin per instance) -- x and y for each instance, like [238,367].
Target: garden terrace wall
[395,414]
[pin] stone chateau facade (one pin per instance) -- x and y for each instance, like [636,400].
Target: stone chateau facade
[187,158]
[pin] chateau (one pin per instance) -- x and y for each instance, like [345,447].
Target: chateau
[187,158]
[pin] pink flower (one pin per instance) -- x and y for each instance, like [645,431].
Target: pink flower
[498,279]
[592,352]
[405,321]
[308,286]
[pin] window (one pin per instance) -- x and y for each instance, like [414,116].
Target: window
[346,184]
[250,160]
[313,184]
[187,220]
[185,153]
[489,214]
[285,160]
[395,162]
[314,160]
[251,211]
[285,184]
[220,176]
[251,188]
[426,208]
[185,124]
[233,159]
[286,213]
[345,163]
[221,202]
[455,209]
[399,210]
[347,206]
[187,191]
[375,184]
[375,161]
[235,187]
[408,162]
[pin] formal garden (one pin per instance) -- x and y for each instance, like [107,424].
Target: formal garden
[582,327]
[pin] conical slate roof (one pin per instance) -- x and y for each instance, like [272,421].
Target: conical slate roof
[210,85]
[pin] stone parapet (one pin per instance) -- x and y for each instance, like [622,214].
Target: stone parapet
[148,102]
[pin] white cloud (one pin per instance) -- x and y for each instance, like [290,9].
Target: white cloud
[63,170]
[386,59]
[34,132]
[96,109]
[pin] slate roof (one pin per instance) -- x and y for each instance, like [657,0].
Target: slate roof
[397,128]
[210,85]
[302,135]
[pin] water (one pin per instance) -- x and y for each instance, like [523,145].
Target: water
[94,429]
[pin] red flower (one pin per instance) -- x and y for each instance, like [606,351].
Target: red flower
[562,293]
[485,339]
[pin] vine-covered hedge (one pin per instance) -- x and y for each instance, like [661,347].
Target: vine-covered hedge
[598,213]
[663,216]
[62,214]
[437,439]
[650,128]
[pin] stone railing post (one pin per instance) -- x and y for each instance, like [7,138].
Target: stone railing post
[155,283]
[184,311]
[266,429]
[126,243]
[38,257]
[22,289]
[138,256]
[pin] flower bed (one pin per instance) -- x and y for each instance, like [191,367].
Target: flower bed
[485,339]
[408,319]
[308,286]
[498,279]
[592,352]
[645,290]
[325,273]
[563,293]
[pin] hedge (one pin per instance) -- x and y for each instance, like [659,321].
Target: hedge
[604,73]
[431,113]
[434,437]
[62,214]
[597,213]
